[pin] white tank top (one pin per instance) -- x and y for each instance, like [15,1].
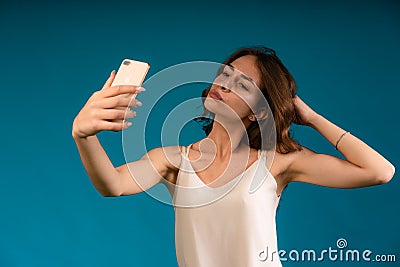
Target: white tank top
[235,230]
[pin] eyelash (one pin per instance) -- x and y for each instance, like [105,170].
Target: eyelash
[241,84]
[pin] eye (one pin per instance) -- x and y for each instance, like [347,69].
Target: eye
[243,86]
[225,74]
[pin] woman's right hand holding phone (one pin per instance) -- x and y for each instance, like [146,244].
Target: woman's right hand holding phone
[105,109]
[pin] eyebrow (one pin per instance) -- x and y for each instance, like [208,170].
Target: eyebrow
[242,75]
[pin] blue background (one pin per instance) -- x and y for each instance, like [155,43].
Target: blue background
[344,57]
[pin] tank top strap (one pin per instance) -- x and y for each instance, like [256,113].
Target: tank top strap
[183,150]
[187,150]
[262,154]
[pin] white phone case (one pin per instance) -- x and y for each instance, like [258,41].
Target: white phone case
[130,72]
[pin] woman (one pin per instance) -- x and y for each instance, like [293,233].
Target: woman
[233,229]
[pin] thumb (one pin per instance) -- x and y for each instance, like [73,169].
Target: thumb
[109,80]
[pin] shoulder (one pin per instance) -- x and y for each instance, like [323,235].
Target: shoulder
[283,164]
[293,159]
[167,160]
[298,156]
[169,156]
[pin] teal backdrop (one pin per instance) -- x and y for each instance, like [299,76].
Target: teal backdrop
[344,56]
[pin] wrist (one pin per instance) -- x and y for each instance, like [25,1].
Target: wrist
[76,135]
[315,120]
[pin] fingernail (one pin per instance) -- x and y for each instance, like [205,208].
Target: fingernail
[128,124]
[141,89]
[139,103]
[112,72]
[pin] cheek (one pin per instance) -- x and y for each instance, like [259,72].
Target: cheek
[233,106]
[239,105]
[245,102]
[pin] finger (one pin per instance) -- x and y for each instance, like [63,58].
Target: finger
[112,102]
[109,81]
[114,126]
[115,114]
[123,89]
[118,102]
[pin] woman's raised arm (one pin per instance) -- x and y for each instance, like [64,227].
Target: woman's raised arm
[105,110]
[363,165]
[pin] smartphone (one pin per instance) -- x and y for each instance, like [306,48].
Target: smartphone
[131,72]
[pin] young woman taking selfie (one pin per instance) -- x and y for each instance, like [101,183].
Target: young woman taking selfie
[230,230]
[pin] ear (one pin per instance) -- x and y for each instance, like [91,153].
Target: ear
[261,114]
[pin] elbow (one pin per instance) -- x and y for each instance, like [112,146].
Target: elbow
[108,190]
[386,175]
[109,193]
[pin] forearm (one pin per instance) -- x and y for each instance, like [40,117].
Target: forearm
[353,149]
[100,169]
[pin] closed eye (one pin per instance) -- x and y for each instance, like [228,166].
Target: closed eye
[243,86]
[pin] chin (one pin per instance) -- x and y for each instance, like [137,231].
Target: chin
[221,109]
[214,105]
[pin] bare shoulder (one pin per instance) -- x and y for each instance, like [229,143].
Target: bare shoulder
[167,158]
[281,167]
[168,155]
[288,160]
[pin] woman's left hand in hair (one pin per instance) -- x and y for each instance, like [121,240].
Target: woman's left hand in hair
[304,114]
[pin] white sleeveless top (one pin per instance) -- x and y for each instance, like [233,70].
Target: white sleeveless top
[238,229]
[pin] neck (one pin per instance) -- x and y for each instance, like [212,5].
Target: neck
[227,137]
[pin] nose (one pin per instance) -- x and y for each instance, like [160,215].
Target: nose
[224,89]
[225,86]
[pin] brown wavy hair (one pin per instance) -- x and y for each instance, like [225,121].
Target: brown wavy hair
[278,87]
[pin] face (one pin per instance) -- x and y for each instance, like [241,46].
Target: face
[236,89]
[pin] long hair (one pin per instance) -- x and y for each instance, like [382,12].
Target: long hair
[278,87]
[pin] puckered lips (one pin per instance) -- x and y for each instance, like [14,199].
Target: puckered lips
[214,94]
